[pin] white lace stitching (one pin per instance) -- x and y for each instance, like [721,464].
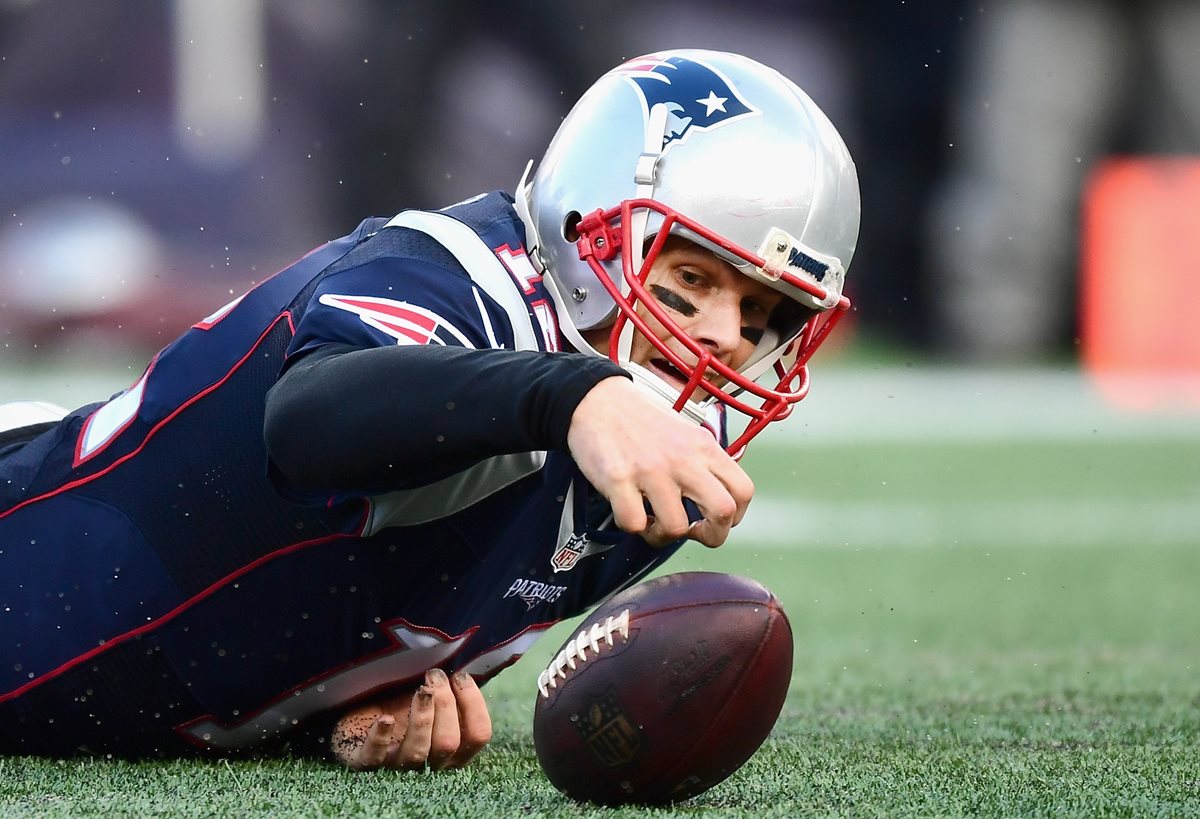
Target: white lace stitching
[575,651]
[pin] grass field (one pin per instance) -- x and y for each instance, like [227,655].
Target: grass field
[993,587]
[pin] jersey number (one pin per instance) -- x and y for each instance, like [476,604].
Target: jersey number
[522,271]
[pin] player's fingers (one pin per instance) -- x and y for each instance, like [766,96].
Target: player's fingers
[474,721]
[372,753]
[629,512]
[412,753]
[444,735]
[711,533]
[712,499]
[668,518]
[658,534]
[737,483]
[719,511]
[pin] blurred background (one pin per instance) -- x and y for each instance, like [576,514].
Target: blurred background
[1029,174]
[157,155]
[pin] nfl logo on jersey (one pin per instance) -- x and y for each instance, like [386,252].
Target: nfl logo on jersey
[565,558]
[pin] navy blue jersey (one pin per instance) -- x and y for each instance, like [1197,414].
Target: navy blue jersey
[163,588]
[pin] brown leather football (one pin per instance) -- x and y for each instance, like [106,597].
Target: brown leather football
[667,689]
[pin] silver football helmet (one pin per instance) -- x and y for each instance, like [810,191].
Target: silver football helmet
[725,152]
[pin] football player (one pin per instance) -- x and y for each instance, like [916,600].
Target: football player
[370,483]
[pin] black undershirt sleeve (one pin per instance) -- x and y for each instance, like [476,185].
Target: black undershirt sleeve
[346,419]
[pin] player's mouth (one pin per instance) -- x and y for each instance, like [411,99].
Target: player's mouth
[675,377]
[667,372]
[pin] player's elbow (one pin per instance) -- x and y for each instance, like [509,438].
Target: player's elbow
[288,434]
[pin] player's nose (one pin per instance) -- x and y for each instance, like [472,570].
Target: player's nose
[719,328]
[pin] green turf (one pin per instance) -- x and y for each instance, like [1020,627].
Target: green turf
[1119,469]
[972,677]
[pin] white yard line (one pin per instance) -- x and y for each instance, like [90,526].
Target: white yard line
[867,406]
[773,522]
[67,386]
[923,403]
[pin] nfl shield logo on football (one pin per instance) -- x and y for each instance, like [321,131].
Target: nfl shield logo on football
[608,732]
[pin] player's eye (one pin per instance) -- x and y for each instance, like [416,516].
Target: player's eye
[755,310]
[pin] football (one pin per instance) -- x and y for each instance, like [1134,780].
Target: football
[667,689]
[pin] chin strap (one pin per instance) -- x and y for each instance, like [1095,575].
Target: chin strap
[664,393]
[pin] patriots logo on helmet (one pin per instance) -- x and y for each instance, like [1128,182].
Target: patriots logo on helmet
[697,96]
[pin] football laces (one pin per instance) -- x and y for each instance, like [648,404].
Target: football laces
[575,651]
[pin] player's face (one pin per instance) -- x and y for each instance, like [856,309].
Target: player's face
[710,300]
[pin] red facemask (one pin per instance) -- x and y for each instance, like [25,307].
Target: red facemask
[602,234]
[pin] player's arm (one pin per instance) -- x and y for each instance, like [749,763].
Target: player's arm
[385,418]
[443,724]
[388,418]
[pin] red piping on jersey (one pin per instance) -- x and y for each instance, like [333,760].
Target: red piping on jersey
[182,728]
[482,678]
[81,481]
[175,612]
[532,627]
[210,589]
[213,319]
[79,458]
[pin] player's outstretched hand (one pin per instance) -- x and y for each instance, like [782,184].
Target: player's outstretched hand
[441,725]
[632,448]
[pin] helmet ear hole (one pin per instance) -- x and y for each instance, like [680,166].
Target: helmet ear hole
[570,226]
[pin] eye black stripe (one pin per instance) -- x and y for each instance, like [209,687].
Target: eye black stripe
[671,299]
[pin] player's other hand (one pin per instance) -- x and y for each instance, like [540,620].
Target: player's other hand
[632,448]
[441,725]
